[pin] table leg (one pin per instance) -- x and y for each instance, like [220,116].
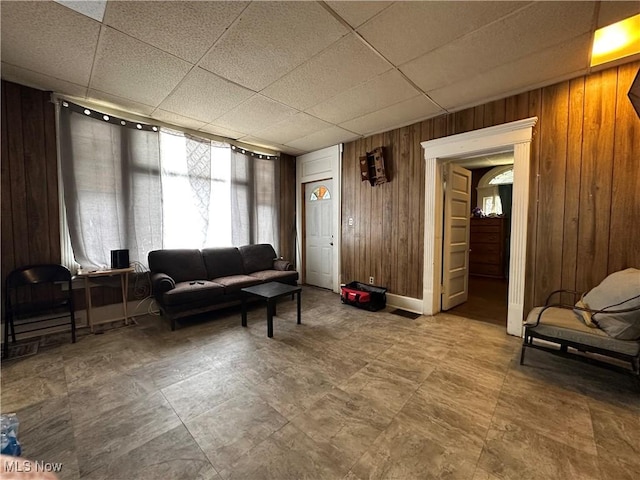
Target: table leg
[299,319]
[244,310]
[273,309]
[269,318]
[124,283]
[87,297]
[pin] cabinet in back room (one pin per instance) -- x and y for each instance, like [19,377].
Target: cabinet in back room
[487,247]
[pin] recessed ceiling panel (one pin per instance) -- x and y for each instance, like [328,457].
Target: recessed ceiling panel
[185,29]
[93,9]
[48,38]
[407,30]
[403,113]
[379,92]
[356,13]
[271,39]
[324,138]
[527,31]
[341,66]
[255,114]
[204,96]
[543,68]
[37,80]
[296,126]
[135,70]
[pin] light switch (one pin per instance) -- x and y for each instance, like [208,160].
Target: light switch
[350,221]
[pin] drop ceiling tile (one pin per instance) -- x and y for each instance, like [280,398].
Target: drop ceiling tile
[204,96]
[407,30]
[261,143]
[32,38]
[93,9]
[612,12]
[400,114]
[185,29]
[356,13]
[255,114]
[535,28]
[271,39]
[550,66]
[222,132]
[296,126]
[132,69]
[119,103]
[177,120]
[37,80]
[324,138]
[379,92]
[341,66]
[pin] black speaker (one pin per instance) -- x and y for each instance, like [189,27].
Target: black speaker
[119,258]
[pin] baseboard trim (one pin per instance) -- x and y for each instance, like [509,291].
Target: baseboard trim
[409,304]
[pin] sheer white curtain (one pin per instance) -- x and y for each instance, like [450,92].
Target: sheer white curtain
[196,191]
[111,178]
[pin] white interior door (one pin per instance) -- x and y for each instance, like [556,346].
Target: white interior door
[455,246]
[319,233]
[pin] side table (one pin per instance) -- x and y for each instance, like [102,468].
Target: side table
[123,273]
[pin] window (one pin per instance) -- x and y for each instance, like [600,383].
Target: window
[320,193]
[488,194]
[141,188]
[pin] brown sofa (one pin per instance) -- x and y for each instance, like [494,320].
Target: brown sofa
[189,282]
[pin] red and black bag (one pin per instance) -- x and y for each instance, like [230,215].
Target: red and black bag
[361,295]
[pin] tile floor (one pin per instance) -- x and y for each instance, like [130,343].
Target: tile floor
[348,394]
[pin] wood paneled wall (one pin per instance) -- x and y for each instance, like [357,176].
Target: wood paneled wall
[584,215]
[30,229]
[287,212]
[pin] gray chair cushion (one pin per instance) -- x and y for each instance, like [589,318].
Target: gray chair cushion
[181,265]
[257,257]
[186,292]
[564,324]
[276,276]
[234,283]
[222,262]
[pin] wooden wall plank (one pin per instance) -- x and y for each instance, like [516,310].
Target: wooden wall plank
[495,113]
[17,174]
[596,175]
[624,229]
[51,164]
[376,232]
[6,220]
[464,120]
[553,158]
[572,186]
[36,182]
[347,234]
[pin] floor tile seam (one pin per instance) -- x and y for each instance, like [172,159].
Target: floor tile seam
[186,427]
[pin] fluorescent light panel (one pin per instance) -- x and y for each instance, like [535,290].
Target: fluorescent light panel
[616,41]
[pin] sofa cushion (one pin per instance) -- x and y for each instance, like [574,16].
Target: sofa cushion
[192,291]
[222,262]
[276,276]
[257,257]
[234,283]
[619,291]
[180,264]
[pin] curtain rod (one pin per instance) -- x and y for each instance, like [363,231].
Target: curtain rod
[135,118]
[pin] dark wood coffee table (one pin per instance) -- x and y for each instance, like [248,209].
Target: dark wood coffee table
[270,292]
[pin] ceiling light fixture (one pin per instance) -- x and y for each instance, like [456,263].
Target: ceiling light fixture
[616,41]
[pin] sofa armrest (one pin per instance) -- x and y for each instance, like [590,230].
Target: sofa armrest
[161,282]
[282,265]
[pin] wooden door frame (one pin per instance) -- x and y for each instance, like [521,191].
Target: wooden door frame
[312,167]
[514,135]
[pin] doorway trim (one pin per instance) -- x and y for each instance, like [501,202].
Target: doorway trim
[514,135]
[311,167]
